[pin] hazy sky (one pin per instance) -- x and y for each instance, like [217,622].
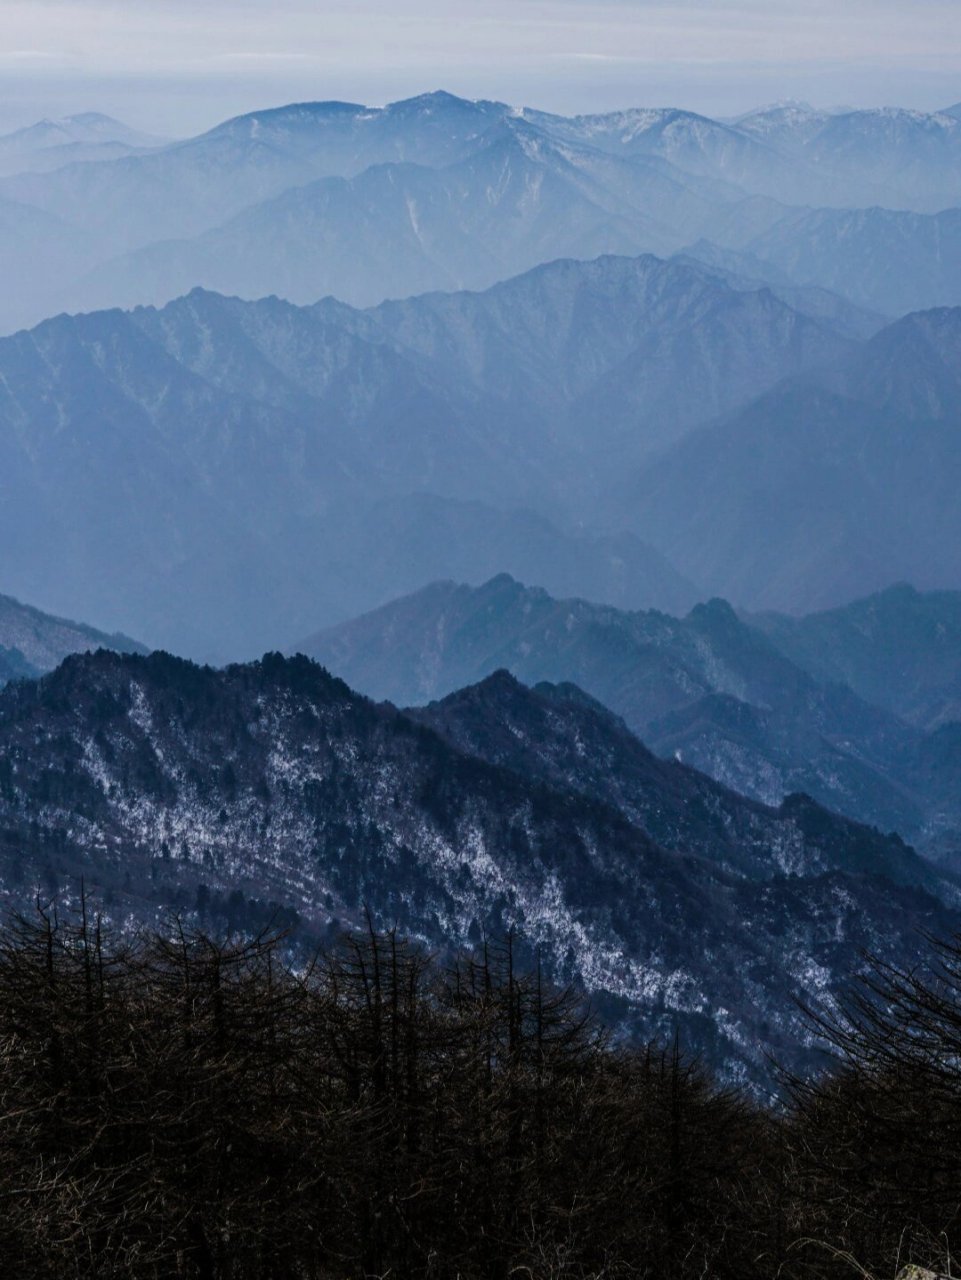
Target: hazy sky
[180,65]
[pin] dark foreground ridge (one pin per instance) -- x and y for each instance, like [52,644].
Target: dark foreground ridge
[231,794]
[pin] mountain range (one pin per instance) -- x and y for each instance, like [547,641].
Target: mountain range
[698,380]
[436,192]
[271,787]
[251,470]
[86,137]
[638,431]
[829,704]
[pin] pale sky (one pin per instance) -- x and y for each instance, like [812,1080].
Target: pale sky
[181,65]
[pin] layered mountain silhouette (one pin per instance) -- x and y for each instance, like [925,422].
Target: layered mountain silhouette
[671,900]
[86,137]
[827,487]
[885,260]
[900,649]
[397,229]
[33,642]
[440,193]
[633,430]
[245,470]
[369,349]
[401,229]
[907,159]
[890,156]
[760,705]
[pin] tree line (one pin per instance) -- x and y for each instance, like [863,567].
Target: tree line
[179,1105]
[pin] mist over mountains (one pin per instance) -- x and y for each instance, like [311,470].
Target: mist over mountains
[439,193]
[622,450]
[88,136]
[245,468]
[827,486]
[640,432]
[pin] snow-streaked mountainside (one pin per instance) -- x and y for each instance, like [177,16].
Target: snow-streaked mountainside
[438,192]
[710,688]
[253,470]
[33,642]
[905,159]
[273,783]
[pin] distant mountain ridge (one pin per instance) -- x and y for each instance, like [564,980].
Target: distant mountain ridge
[439,192]
[85,137]
[643,431]
[900,649]
[740,701]
[400,228]
[523,197]
[312,462]
[795,154]
[884,260]
[33,642]
[834,484]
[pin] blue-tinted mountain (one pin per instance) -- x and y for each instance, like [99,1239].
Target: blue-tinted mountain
[206,495]
[37,252]
[518,199]
[89,136]
[272,783]
[707,688]
[190,186]
[827,487]
[563,737]
[394,230]
[438,192]
[899,648]
[744,271]
[890,156]
[642,350]
[884,260]
[33,642]
[249,470]
[524,197]
[710,149]
[262,153]
[14,666]
[384,546]
[792,152]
